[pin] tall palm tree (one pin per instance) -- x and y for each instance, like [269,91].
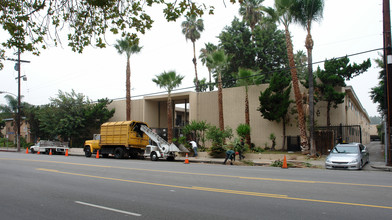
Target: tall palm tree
[252,12]
[219,60]
[247,77]
[305,12]
[204,53]
[191,28]
[284,16]
[128,47]
[169,81]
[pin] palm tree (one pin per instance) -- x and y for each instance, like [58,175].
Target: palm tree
[218,61]
[284,16]
[129,47]
[305,12]
[252,12]
[248,77]
[191,28]
[169,81]
[205,52]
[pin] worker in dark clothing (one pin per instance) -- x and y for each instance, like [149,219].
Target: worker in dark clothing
[240,147]
[230,154]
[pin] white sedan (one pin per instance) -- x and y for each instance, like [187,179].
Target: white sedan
[347,156]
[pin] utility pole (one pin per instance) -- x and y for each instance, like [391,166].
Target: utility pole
[18,113]
[388,72]
[18,61]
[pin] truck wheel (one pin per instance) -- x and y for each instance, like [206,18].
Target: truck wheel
[32,150]
[87,152]
[154,156]
[119,153]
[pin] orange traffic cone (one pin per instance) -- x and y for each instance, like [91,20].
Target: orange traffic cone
[186,159]
[284,162]
[66,152]
[97,156]
[38,152]
[27,150]
[50,152]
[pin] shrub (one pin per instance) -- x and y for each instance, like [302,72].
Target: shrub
[217,138]
[258,150]
[243,130]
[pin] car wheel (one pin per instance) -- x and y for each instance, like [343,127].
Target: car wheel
[32,150]
[119,153]
[154,156]
[87,152]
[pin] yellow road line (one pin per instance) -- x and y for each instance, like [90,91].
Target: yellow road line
[217,190]
[203,174]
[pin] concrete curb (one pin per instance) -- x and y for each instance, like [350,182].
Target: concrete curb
[380,167]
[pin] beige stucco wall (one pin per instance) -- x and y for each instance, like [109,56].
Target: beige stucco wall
[204,107]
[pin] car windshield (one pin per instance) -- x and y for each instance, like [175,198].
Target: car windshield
[345,150]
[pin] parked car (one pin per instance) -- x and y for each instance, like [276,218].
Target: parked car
[347,156]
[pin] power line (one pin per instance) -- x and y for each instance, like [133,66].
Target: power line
[259,74]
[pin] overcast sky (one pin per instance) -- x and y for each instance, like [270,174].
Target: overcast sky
[348,27]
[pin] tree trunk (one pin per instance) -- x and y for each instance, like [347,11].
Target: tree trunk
[128,91]
[220,103]
[309,47]
[195,64]
[169,119]
[328,116]
[297,92]
[247,120]
[210,85]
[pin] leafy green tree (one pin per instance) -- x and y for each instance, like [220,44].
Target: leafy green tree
[265,54]
[275,101]
[11,110]
[31,24]
[335,72]
[72,117]
[305,12]
[236,42]
[169,81]
[218,136]
[204,53]
[191,28]
[33,121]
[247,77]
[128,47]
[377,93]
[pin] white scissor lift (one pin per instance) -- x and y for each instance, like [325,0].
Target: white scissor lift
[163,148]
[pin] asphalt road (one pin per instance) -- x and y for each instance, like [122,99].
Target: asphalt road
[57,187]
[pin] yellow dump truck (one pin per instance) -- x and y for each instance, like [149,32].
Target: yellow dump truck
[122,139]
[130,139]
